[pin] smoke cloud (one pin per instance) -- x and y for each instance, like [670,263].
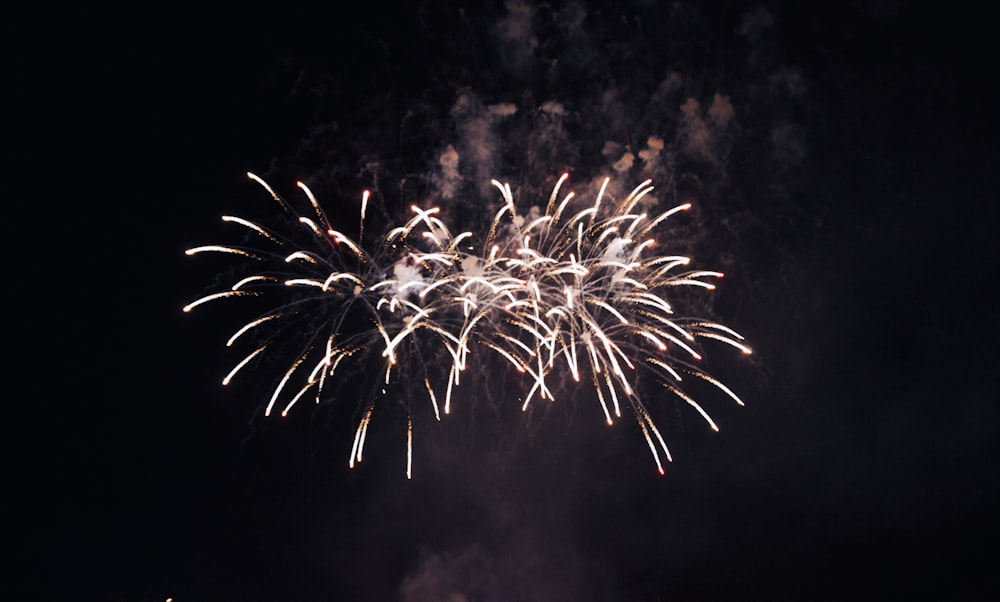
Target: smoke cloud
[523,95]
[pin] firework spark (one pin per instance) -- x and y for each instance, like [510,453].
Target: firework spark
[559,295]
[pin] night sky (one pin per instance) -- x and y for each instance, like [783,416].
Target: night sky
[841,160]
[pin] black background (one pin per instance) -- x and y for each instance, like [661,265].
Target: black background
[854,208]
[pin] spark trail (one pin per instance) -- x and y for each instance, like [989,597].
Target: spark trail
[562,296]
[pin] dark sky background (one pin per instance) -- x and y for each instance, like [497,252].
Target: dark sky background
[841,158]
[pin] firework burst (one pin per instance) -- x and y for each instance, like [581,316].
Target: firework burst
[569,295]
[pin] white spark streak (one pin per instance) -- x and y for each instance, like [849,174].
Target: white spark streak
[564,286]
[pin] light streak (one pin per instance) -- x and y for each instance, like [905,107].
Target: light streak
[565,293]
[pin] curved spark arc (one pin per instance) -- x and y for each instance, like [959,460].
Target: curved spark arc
[594,294]
[579,293]
[349,300]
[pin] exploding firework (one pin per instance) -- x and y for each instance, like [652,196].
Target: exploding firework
[560,294]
